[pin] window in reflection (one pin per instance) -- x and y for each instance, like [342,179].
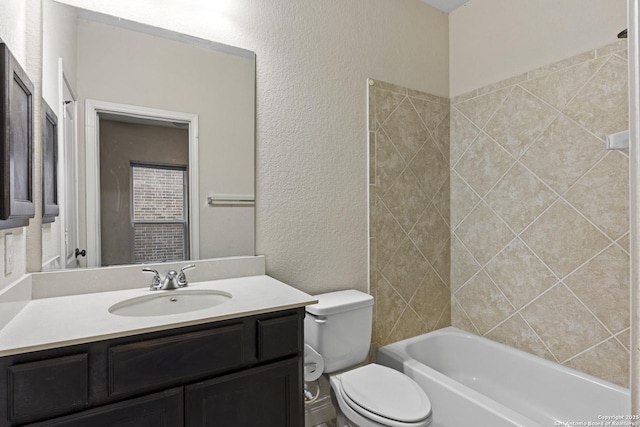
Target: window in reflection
[159,212]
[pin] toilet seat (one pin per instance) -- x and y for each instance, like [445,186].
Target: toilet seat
[385,396]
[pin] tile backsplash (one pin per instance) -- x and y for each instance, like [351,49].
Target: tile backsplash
[502,212]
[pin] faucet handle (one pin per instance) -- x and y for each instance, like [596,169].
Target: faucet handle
[155,282]
[182,278]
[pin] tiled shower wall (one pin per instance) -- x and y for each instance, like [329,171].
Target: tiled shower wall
[409,215]
[540,213]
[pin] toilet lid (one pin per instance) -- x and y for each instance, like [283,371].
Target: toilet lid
[387,393]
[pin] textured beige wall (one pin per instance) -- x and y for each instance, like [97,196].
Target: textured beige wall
[492,40]
[409,234]
[313,61]
[540,213]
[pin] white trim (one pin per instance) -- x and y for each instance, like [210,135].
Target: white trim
[634,186]
[92,109]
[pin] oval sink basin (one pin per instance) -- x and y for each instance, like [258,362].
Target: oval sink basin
[172,302]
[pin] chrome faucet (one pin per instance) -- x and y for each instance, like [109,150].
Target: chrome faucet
[173,279]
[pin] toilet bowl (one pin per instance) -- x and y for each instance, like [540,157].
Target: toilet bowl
[378,396]
[338,330]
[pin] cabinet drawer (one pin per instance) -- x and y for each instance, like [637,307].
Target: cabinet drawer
[47,387]
[160,409]
[166,361]
[279,337]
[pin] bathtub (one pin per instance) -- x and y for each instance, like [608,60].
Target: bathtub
[473,381]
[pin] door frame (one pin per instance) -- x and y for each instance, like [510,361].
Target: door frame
[93,108]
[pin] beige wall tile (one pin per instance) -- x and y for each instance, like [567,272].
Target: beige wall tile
[442,137]
[519,121]
[405,129]
[519,197]
[515,332]
[459,318]
[406,200]
[480,109]
[563,323]
[608,180]
[428,97]
[389,235]
[465,96]
[431,113]
[442,264]
[372,157]
[463,264]
[586,95]
[430,167]
[389,307]
[431,299]
[430,234]
[445,318]
[409,325]
[563,239]
[558,88]
[624,338]
[385,103]
[388,163]
[463,199]
[603,286]
[608,360]
[484,234]
[406,269]
[463,133]
[402,266]
[602,104]
[520,274]
[503,84]
[564,152]
[625,243]
[483,164]
[442,200]
[483,302]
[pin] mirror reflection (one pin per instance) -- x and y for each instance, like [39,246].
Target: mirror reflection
[156,152]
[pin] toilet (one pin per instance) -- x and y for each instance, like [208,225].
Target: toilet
[338,330]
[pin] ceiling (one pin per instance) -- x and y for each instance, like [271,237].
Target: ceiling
[446,5]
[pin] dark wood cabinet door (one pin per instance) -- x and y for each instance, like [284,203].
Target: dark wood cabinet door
[163,409]
[266,396]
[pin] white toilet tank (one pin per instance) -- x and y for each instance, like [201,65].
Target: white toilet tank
[339,328]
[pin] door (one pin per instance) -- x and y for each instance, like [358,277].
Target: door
[267,396]
[143,191]
[71,235]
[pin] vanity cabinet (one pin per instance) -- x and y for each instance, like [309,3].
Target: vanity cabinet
[237,372]
[159,409]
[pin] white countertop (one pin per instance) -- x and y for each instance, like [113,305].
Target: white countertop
[67,320]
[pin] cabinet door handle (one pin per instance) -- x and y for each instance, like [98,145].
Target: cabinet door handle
[81,252]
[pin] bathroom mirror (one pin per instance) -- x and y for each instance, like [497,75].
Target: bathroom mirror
[122,92]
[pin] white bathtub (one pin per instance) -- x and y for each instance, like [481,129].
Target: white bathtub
[473,381]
